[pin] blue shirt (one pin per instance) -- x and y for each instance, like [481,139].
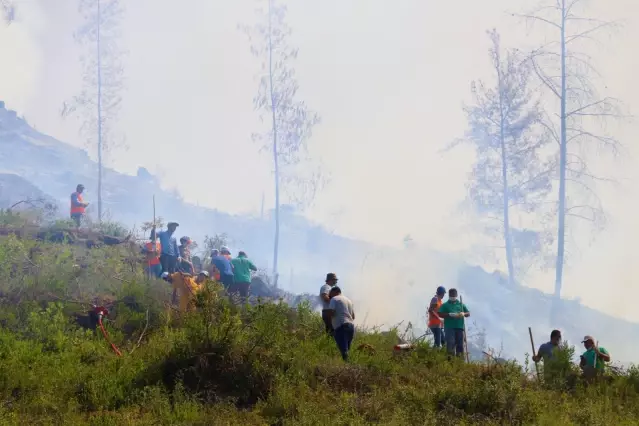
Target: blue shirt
[169,244]
[223,265]
[546,350]
[75,201]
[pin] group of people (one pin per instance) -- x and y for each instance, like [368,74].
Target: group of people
[164,258]
[338,314]
[446,320]
[592,361]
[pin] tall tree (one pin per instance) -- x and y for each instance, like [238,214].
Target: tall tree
[504,129]
[290,120]
[99,102]
[567,73]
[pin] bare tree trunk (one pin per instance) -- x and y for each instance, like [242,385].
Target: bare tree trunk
[504,178]
[507,235]
[561,231]
[99,61]
[276,243]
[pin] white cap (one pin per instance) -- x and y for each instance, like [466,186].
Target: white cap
[224,248]
[165,274]
[205,273]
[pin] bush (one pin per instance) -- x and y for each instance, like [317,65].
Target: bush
[226,364]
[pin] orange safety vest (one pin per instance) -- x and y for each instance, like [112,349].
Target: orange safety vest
[155,260]
[77,209]
[433,318]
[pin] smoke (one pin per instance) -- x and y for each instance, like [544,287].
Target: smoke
[395,286]
[22,58]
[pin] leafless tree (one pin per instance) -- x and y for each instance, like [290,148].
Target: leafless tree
[567,73]
[510,173]
[291,121]
[98,105]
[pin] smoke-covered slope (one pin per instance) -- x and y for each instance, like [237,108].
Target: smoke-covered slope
[387,285]
[55,168]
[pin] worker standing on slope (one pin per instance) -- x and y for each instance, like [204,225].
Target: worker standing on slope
[185,254]
[225,267]
[594,360]
[242,267]
[548,352]
[152,249]
[170,253]
[330,282]
[78,206]
[454,312]
[185,287]
[435,323]
[342,317]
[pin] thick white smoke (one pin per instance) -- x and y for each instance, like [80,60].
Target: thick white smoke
[21,61]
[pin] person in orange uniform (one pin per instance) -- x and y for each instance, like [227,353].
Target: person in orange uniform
[435,323]
[186,287]
[78,206]
[153,249]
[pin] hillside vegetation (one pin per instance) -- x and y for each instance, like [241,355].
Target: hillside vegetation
[267,364]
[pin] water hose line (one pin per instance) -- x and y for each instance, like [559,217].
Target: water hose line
[100,311]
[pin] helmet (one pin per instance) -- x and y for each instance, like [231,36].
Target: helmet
[205,273]
[441,290]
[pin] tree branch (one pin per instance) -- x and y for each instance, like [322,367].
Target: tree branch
[539,18]
[589,31]
[543,78]
[590,105]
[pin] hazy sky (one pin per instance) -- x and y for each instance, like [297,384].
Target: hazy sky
[388,79]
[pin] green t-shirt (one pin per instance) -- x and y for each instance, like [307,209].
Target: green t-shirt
[590,355]
[453,307]
[242,268]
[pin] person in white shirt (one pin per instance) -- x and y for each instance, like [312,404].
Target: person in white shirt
[342,317]
[330,282]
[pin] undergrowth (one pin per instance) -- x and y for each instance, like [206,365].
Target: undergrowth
[224,364]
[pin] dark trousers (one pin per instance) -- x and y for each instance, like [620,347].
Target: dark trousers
[455,341]
[185,267]
[328,323]
[227,281]
[344,337]
[241,288]
[438,336]
[77,218]
[154,271]
[169,263]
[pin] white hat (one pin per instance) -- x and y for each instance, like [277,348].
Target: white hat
[205,273]
[165,275]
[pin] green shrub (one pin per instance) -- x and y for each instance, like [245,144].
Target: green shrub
[243,365]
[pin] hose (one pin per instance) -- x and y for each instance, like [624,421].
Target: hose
[100,313]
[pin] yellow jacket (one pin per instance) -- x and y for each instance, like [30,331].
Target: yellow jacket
[186,289]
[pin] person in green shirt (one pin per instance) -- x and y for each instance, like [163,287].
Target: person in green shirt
[242,268]
[454,312]
[595,358]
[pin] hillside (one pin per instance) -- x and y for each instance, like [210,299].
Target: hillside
[388,285]
[15,189]
[224,364]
